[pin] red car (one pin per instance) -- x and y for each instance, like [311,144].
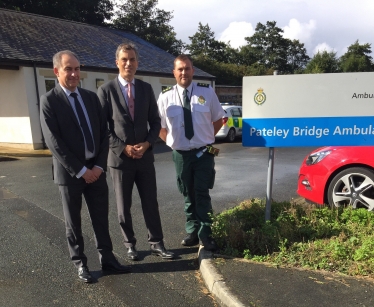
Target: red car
[339,176]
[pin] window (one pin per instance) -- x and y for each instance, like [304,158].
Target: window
[235,112]
[99,82]
[49,84]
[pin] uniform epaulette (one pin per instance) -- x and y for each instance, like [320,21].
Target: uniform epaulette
[203,84]
[167,89]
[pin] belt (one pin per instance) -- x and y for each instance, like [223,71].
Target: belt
[191,150]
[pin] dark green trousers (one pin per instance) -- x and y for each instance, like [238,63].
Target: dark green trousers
[195,176]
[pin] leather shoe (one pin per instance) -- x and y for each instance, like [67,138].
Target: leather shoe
[191,240]
[115,267]
[159,249]
[209,244]
[132,253]
[84,274]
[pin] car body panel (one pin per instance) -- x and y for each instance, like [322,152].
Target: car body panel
[320,174]
[233,121]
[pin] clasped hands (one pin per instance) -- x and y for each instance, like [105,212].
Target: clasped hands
[136,151]
[91,175]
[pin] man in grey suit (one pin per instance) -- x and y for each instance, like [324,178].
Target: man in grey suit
[75,131]
[134,124]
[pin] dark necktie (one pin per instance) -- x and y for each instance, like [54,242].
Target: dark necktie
[83,123]
[188,127]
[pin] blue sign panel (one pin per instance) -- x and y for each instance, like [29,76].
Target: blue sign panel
[308,131]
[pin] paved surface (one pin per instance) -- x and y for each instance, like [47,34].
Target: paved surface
[238,282]
[233,282]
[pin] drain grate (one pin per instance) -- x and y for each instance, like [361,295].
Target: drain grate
[6,194]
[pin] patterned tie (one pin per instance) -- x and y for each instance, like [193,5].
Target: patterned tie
[188,127]
[83,123]
[130,100]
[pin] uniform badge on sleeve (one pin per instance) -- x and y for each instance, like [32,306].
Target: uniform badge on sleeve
[201,100]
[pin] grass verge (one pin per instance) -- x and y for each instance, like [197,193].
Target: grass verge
[336,240]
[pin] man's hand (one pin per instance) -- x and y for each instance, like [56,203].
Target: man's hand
[163,134]
[136,151]
[129,151]
[97,171]
[217,125]
[140,149]
[89,176]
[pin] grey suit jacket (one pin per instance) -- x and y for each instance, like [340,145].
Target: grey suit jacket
[64,136]
[122,129]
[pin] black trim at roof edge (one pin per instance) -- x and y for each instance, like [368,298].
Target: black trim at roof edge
[12,64]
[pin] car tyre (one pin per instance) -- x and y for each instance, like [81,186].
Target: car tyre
[352,187]
[231,135]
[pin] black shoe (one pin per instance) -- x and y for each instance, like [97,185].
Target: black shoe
[115,267]
[132,253]
[209,244]
[159,249]
[191,240]
[84,274]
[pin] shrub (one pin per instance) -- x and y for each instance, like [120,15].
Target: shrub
[299,235]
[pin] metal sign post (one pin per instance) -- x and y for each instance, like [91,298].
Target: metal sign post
[269,186]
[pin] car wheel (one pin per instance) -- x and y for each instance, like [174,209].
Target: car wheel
[352,187]
[231,135]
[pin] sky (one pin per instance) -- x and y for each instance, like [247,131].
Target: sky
[330,25]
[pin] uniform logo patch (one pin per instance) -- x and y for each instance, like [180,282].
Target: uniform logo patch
[260,97]
[201,100]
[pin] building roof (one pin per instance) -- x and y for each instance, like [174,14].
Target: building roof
[28,39]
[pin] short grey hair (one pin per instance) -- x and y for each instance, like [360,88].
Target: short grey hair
[58,56]
[127,46]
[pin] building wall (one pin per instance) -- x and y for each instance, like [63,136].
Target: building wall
[231,94]
[19,102]
[15,128]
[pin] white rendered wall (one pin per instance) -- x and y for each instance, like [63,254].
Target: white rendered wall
[15,126]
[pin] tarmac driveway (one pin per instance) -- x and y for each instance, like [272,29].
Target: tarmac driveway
[34,264]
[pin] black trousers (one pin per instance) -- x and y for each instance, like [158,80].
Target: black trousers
[96,197]
[144,176]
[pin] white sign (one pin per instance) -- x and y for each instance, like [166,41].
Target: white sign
[308,110]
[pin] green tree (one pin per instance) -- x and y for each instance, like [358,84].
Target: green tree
[232,55]
[225,73]
[87,11]
[144,19]
[268,47]
[323,62]
[204,44]
[229,73]
[357,58]
[297,57]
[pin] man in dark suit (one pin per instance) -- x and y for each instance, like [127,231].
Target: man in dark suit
[130,107]
[75,131]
